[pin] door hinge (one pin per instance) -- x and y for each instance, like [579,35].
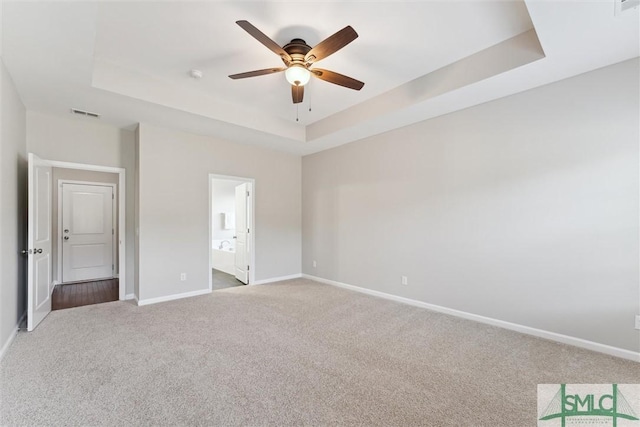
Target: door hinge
[112,267]
[247,230]
[247,268]
[113,196]
[247,194]
[113,232]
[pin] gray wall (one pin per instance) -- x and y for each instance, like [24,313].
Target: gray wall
[79,175]
[524,209]
[136,183]
[13,207]
[174,170]
[88,141]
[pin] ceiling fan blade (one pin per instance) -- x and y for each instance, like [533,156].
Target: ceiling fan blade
[337,79]
[257,73]
[331,44]
[265,40]
[297,93]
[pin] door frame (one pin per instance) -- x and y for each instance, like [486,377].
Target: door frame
[122,235]
[59,225]
[252,227]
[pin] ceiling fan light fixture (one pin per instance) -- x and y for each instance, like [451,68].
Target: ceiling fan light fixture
[297,75]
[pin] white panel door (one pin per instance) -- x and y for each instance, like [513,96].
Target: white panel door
[242,233]
[39,283]
[87,232]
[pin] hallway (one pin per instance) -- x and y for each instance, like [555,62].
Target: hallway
[85,293]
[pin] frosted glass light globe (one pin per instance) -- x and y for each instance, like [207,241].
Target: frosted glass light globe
[297,75]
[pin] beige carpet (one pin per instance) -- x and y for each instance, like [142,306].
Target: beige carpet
[292,353]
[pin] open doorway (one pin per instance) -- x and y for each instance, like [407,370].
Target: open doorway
[85,206]
[231,225]
[43,234]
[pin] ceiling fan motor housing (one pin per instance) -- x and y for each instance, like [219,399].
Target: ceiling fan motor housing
[297,49]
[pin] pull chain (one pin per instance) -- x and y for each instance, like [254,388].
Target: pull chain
[297,119]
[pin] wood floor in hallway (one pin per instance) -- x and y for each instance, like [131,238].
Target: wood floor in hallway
[85,293]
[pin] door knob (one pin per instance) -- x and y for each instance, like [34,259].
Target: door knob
[25,252]
[37,251]
[66,237]
[66,230]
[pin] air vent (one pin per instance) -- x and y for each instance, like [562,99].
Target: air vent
[622,6]
[85,113]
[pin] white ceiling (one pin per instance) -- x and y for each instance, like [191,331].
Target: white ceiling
[129,61]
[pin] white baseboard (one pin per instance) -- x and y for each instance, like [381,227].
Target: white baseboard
[172,297]
[552,336]
[11,337]
[129,297]
[277,279]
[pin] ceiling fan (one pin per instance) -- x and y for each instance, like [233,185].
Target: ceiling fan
[298,57]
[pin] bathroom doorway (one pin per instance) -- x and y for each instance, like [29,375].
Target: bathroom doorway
[231,225]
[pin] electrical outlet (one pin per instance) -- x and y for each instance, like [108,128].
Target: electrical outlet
[183,277]
[404,280]
[638,321]
[315,264]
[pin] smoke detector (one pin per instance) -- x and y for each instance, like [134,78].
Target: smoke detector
[196,74]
